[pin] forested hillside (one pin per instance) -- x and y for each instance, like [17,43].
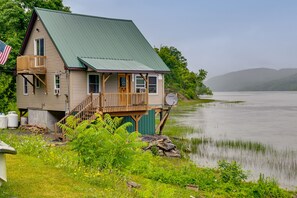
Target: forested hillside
[260,79]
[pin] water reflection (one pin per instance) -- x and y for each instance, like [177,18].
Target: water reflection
[266,118]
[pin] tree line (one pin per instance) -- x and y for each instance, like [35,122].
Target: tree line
[181,80]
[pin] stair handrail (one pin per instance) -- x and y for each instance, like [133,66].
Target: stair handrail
[81,106]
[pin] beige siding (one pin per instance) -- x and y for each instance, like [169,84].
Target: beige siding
[112,84]
[157,99]
[54,64]
[78,88]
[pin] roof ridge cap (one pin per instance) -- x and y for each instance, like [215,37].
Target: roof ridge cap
[83,15]
[108,58]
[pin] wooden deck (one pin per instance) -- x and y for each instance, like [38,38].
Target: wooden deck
[116,104]
[31,64]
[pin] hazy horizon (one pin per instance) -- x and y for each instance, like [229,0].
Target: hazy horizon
[218,36]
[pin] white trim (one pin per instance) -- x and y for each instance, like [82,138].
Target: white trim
[57,89]
[157,84]
[35,48]
[25,82]
[99,75]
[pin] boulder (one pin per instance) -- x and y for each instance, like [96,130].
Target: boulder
[163,143]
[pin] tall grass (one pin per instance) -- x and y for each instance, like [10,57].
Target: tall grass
[244,145]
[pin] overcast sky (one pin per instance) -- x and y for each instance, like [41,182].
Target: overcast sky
[219,36]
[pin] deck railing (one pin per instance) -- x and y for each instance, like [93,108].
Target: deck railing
[31,64]
[107,103]
[119,102]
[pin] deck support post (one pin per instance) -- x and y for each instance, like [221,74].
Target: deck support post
[136,118]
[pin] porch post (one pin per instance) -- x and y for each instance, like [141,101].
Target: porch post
[127,91]
[104,79]
[103,82]
[103,91]
[146,88]
[145,78]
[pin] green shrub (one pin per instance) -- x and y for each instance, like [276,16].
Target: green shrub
[231,172]
[266,187]
[103,143]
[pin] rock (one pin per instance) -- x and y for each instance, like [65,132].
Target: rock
[166,146]
[192,187]
[172,154]
[163,143]
[161,152]
[132,184]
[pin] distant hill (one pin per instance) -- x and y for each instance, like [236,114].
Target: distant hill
[260,79]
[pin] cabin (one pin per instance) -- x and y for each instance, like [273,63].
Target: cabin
[73,64]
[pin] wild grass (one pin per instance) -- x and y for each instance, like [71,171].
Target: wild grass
[173,129]
[39,165]
[183,103]
[231,102]
[196,142]
[57,172]
[244,145]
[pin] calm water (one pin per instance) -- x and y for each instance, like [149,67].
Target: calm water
[269,118]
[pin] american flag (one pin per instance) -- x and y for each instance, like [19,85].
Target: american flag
[4,52]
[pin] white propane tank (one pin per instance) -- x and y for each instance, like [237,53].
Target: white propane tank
[24,120]
[3,121]
[12,118]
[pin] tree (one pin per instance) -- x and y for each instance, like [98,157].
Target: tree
[181,79]
[14,19]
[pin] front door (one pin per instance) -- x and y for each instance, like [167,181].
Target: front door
[124,87]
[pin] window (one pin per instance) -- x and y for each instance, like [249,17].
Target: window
[57,85]
[140,84]
[57,81]
[39,51]
[39,47]
[93,83]
[153,84]
[25,87]
[37,83]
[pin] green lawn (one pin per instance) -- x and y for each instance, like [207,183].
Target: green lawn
[30,177]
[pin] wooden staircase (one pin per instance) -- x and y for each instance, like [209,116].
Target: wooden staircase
[84,111]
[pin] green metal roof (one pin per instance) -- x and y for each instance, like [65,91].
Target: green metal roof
[77,36]
[113,65]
